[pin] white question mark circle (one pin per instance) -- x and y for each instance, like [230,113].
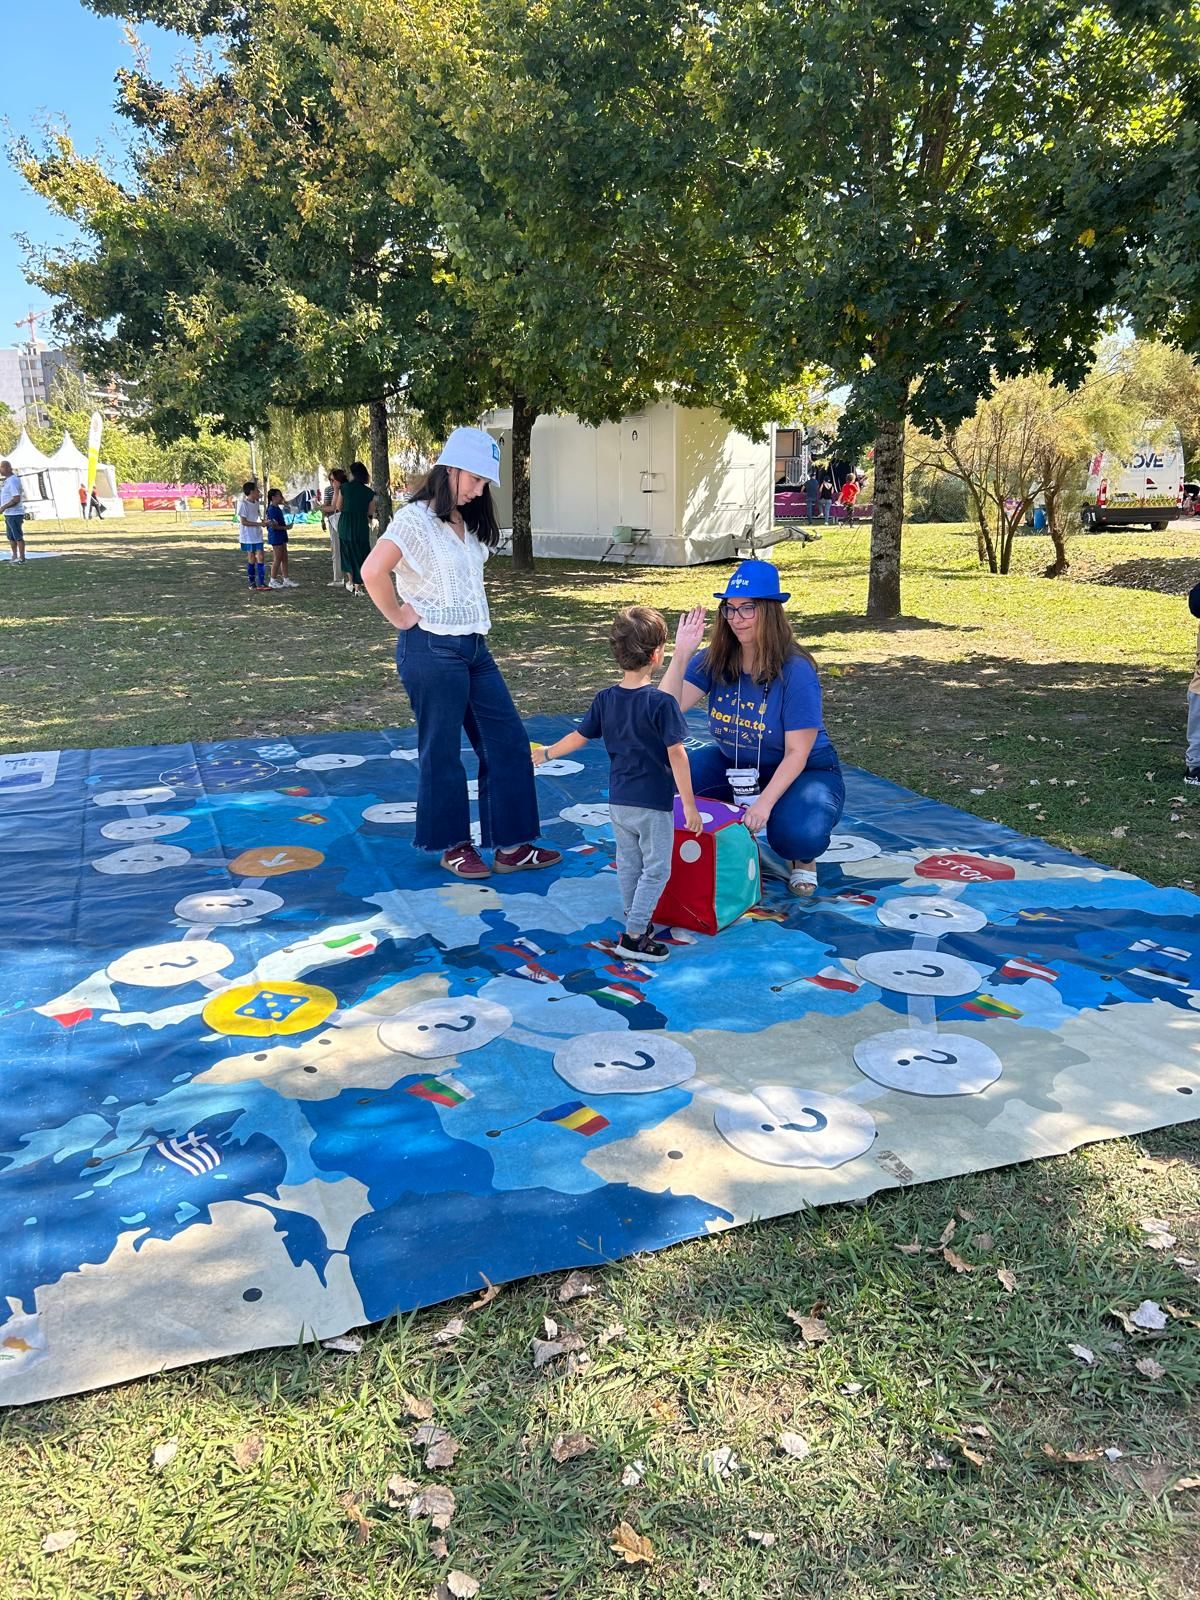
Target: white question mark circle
[920,1062]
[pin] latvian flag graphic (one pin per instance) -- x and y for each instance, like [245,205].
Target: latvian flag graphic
[443,1091]
[575,1115]
[1022,967]
[835,978]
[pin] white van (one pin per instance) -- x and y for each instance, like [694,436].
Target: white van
[1144,491]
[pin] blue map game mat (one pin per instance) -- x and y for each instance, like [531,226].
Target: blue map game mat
[270,1074]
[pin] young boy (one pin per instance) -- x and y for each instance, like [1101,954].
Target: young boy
[277,533]
[643,731]
[250,532]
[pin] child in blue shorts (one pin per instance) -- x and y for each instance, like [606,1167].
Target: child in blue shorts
[643,731]
[250,533]
[277,534]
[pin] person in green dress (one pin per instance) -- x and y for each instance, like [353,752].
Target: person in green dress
[355,501]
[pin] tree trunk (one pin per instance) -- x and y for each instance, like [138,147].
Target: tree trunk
[381,467]
[524,417]
[887,526]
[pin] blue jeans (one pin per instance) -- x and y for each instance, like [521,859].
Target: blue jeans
[453,685]
[805,814]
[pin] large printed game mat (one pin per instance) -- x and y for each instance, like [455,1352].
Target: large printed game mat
[270,1074]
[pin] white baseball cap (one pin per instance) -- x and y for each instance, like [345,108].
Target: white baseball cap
[473,450]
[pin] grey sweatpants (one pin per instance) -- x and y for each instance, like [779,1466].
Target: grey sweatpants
[645,839]
[1193,730]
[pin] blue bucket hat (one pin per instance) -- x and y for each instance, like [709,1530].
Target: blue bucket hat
[754,580]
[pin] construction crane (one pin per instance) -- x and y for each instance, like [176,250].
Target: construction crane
[31,321]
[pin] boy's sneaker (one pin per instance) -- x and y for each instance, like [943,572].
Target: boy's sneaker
[640,947]
[1192,776]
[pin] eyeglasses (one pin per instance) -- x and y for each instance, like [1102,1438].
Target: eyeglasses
[749,610]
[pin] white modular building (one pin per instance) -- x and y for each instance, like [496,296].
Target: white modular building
[667,487]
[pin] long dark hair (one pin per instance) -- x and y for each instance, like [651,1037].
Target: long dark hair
[775,643]
[479,515]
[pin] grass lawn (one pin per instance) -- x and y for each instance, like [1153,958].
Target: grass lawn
[1054,707]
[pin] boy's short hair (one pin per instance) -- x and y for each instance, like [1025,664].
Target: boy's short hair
[637,632]
[250,485]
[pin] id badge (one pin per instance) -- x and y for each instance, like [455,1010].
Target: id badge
[743,783]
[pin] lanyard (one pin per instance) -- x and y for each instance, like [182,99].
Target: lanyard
[762,717]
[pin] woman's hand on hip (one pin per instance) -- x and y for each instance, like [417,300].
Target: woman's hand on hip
[406,618]
[689,634]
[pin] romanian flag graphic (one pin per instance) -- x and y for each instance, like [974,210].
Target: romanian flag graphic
[441,1091]
[986,1005]
[575,1115]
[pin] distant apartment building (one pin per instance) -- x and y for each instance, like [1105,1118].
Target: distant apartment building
[28,373]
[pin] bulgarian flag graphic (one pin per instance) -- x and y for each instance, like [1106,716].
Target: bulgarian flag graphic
[1022,967]
[575,1115]
[986,1005]
[443,1091]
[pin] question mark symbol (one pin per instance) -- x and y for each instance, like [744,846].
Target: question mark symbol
[940,1058]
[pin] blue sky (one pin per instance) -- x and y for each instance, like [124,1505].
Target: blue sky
[60,61]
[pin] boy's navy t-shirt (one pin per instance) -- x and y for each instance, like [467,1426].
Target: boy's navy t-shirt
[638,726]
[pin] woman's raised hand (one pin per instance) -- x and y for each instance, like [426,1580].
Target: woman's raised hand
[689,635]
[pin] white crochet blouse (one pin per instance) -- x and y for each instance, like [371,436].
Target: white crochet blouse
[439,574]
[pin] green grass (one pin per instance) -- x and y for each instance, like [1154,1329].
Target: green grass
[143,636]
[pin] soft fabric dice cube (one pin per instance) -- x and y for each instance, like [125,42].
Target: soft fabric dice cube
[714,874]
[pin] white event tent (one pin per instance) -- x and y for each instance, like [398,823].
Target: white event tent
[52,483]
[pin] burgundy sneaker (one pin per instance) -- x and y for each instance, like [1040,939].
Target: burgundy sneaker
[464,861]
[525,858]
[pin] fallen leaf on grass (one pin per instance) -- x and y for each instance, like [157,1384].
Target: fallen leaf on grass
[812,1329]
[1147,1318]
[569,1446]
[549,1328]
[439,1549]
[850,1389]
[973,1456]
[347,1344]
[794,1445]
[54,1542]
[721,1462]
[545,1350]
[486,1297]
[248,1451]
[399,1490]
[1149,1368]
[454,1329]
[1007,1279]
[615,1330]
[418,1410]
[633,1474]
[436,1502]
[1180,1483]
[574,1287]
[766,1540]
[1072,1458]
[982,1242]
[913,1249]
[952,1259]
[163,1454]
[948,1233]
[938,1461]
[354,1515]
[1158,1234]
[1118,833]
[631,1546]
[1082,1353]
[461,1586]
[440,1446]
[1180,1314]
[965,1215]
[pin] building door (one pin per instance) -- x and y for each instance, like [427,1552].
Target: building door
[634,468]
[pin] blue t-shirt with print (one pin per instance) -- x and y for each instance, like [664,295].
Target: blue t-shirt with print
[276,524]
[638,727]
[741,712]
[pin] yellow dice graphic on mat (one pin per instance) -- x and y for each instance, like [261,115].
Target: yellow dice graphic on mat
[259,1010]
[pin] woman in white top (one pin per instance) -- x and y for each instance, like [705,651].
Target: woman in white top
[426,576]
